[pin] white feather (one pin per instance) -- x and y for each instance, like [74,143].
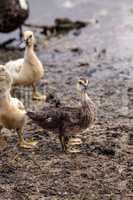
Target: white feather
[14,67]
[28,70]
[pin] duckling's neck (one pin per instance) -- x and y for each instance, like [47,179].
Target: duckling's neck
[85,99]
[88,110]
[30,57]
[5,99]
[29,52]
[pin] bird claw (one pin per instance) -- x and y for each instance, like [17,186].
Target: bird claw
[39,97]
[74,141]
[28,144]
[74,151]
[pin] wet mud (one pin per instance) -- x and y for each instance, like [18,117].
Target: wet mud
[102,167]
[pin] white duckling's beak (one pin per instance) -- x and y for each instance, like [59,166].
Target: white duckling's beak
[22,44]
[28,39]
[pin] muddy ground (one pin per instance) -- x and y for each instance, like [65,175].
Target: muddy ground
[103,167]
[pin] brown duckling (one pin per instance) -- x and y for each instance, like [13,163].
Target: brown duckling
[12,111]
[66,120]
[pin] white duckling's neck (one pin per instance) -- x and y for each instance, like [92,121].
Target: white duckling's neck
[29,53]
[5,99]
[30,56]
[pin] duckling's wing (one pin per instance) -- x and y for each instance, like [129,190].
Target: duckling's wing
[14,66]
[17,103]
[71,115]
[56,117]
[48,117]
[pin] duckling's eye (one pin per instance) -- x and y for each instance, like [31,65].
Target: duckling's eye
[30,36]
[2,70]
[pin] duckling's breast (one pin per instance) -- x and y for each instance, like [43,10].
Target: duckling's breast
[29,75]
[12,122]
[11,116]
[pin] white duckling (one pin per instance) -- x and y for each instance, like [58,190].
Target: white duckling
[12,112]
[28,70]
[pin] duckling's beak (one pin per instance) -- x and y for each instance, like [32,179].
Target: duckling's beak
[86,87]
[22,44]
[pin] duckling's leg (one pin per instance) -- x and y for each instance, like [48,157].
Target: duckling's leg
[66,139]
[12,91]
[36,95]
[63,143]
[23,143]
[0,129]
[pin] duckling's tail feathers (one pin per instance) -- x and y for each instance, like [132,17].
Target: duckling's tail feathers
[32,115]
[37,116]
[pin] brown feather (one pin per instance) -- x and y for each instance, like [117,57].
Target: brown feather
[66,120]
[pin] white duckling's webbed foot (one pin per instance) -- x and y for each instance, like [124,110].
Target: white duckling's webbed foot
[37,95]
[25,144]
[28,145]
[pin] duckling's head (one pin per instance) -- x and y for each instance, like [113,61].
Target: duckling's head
[5,79]
[29,38]
[82,84]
